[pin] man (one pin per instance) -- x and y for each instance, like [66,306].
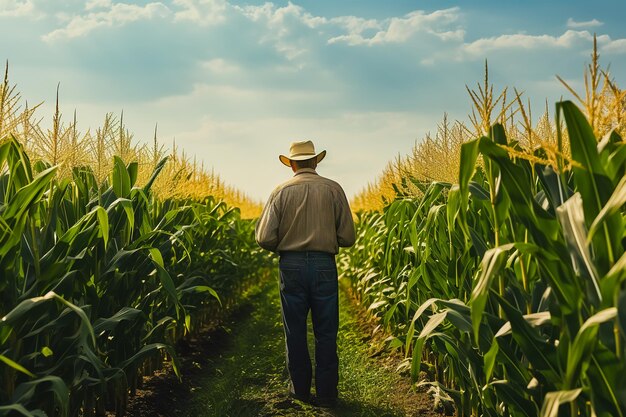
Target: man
[305,221]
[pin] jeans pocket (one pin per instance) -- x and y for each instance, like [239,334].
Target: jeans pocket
[327,283]
[290,281]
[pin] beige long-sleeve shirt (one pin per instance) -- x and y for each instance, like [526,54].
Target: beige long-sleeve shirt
[306,213]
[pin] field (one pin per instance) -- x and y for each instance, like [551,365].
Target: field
[506,286]
[103,270]
[491,260]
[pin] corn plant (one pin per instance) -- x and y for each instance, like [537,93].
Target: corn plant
[100,279]
[508,287]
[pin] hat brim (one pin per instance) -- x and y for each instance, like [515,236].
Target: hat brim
[287,161]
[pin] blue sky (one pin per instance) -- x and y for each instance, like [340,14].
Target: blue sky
[235,81]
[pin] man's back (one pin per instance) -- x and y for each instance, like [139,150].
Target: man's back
[308,212]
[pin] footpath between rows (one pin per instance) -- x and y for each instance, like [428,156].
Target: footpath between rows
[238,370]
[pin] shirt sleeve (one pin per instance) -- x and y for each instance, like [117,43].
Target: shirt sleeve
[266,230]
[345,225]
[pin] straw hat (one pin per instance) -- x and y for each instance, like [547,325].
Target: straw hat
[301,151]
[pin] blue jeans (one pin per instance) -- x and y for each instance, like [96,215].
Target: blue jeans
[308,280]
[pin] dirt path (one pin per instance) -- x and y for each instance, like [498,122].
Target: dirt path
[239,370]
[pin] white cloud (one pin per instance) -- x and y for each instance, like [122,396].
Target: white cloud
[582,40]
[294,32]
[357,25]
[256,13]
[572,24]
[401,29]
[97,4]
[292,11]
[276,18]
[220,66]
[441,24]
[284,26]
[618,46]
[568,39]
[16,8]
[202,12]
[118,14]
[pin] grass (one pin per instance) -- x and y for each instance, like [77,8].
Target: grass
[239,370]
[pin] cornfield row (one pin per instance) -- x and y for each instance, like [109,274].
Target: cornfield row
[65,146]
[99,275]
[437,157]
[507,288]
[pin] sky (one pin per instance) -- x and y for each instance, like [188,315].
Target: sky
[233,82]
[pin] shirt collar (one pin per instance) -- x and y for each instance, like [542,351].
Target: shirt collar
[305,171]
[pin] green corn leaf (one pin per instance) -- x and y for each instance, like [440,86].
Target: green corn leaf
[610,283]
[612,207]
[157,170]
[621,305]
[513,397]
[27,306]
[478,192]
[161,326]
[553,400]
[26,195]
[592,182]
[103,222]
[469,155]
[79,311]
[612,151]
[590,178]
[133,171]
[534,319]
[433,322]
[453,207]
[490,359]
[151,350]
[551,184]
[201,289]
[616,163]
[491,267]
[516,179]
[125,314]
[540,352]
[120,179]
[606,370]
[418,313]
[19,408]
[157,257]
[5,147]
[16,366]
[580,351]
[26,392]
[498,134]
[127,206]
[168,286]
[572,219]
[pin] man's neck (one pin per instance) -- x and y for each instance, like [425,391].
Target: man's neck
[305,171]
